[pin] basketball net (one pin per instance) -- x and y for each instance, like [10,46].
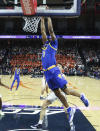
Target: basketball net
[29,8]
[31,24]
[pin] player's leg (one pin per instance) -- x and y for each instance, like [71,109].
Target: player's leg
[56,83]
[49,100]
[77,94]
[0,102]
[47,89]
[18,81]
[42,93]
[1,113]
[61,97]
[3,84]
[0,80]
[13,83]
[70,110]
[43,88]
[42,115]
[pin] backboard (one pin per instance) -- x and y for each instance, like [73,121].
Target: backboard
[56,8]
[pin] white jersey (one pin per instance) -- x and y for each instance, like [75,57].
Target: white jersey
[52,97]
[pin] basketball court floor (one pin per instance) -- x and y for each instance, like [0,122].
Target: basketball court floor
[22,107]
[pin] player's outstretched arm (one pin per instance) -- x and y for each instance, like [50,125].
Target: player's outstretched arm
[50,28]
[43,30]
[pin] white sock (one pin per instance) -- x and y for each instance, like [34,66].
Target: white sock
[40,122]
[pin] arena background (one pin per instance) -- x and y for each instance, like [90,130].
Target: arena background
[80,58]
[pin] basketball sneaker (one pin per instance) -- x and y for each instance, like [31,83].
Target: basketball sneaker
[72,127]
[1,115]
[84,100]
[37,126]
[71,112]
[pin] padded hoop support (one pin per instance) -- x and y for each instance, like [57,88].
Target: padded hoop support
[29,7]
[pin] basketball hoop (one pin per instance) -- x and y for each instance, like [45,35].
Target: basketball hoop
[29,7]
[31,24]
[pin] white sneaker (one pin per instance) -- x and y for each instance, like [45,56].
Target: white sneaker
[71,112]
[72,126]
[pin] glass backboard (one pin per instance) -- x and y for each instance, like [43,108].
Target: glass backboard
[56,8]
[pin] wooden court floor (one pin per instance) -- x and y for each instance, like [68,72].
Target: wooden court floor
[29,91]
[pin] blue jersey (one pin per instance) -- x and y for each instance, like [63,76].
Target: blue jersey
[17,72]
[48,54]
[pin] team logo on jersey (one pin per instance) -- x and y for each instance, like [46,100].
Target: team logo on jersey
[59,75]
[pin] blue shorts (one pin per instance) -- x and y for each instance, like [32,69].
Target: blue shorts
[17,78]
[54,78]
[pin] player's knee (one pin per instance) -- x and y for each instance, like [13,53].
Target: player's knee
[65,90]
[56,91]
[44,107]
[45,104]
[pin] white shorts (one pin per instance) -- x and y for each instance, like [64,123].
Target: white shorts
[44,83]
[52,97]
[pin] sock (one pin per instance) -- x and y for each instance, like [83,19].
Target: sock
[40,122]
[68,109]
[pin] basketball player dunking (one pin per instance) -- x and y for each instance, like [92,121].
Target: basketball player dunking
[56,82]
[51,98]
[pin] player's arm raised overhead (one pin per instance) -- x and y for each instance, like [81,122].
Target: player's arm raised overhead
[43,30]
[50,29]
